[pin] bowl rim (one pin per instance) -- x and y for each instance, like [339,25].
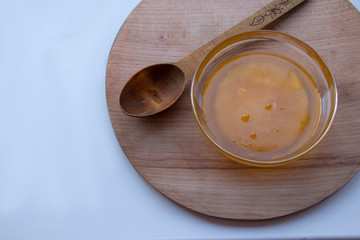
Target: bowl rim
[266,34]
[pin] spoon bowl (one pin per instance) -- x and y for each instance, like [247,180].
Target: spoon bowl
[152,89]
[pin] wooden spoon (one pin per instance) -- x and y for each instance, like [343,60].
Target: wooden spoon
[157,87]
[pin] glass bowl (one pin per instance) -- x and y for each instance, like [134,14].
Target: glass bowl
[277,44]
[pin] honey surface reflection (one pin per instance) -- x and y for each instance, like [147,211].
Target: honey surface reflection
[261,106]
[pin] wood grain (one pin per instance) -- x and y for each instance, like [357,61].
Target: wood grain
[170,152]
[258,20]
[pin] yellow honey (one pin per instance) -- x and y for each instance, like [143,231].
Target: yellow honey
[261,106]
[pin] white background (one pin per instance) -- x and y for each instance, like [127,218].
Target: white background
[63,174]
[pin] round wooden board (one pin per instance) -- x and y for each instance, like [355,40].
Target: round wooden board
[170,152]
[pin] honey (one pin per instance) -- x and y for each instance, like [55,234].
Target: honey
[261,106]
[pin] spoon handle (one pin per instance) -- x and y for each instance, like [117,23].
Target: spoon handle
[258,20]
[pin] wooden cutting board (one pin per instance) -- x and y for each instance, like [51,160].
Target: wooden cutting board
[170,152]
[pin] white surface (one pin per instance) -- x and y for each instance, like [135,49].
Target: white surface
[63,175]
